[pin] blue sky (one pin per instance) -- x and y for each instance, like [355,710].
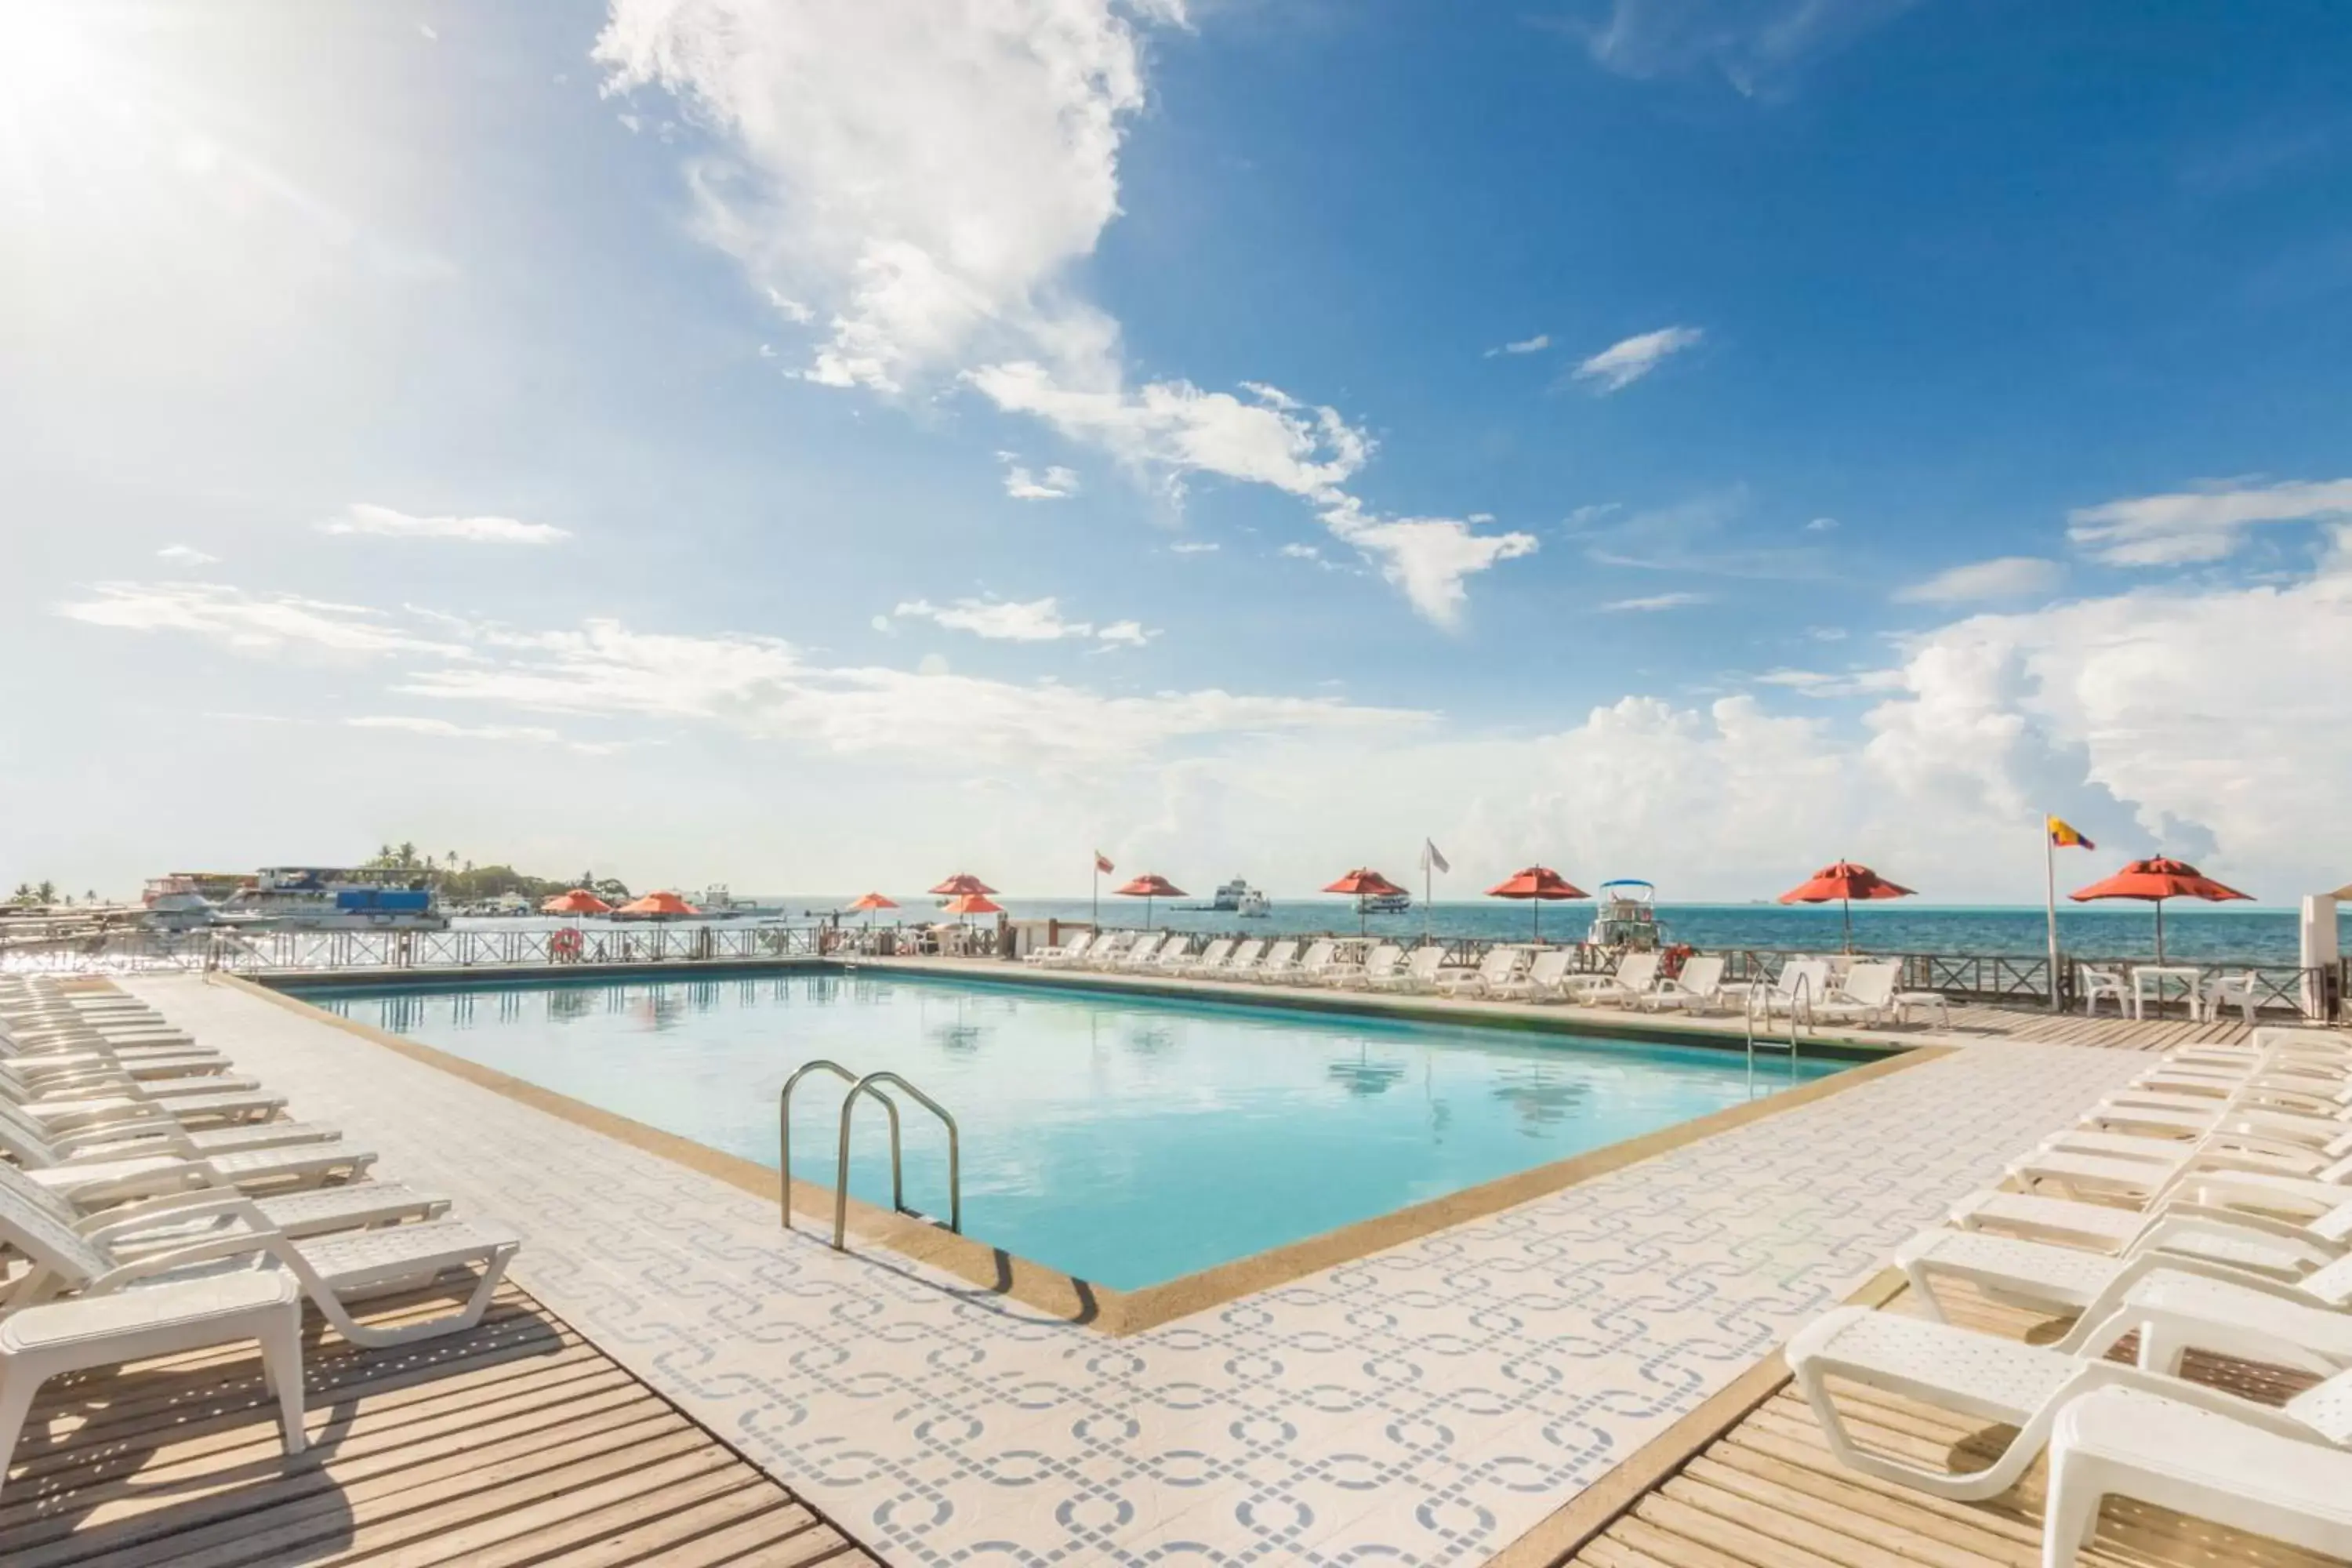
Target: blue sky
[808,442]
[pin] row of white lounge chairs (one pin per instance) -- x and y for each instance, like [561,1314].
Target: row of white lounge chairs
[1869,992]
[154,1202]
[2208,1208]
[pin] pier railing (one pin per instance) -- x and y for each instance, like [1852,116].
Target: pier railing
[299,951]
[2001,980]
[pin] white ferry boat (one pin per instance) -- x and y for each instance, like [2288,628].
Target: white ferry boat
[176,903]
[1238,897]
[1387,903]
[1627,919]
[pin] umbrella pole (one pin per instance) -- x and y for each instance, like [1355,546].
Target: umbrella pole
[1847,906]
[2160,930]
[1538,908]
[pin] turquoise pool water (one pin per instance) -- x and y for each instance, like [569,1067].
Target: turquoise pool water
[1123,1140]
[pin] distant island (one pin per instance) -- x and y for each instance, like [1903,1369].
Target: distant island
[461,881]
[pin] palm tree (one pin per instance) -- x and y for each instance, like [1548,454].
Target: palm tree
[407,856]
[46,893]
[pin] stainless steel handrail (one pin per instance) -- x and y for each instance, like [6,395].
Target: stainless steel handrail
[867,1085]
[1800,993]
[785,1121]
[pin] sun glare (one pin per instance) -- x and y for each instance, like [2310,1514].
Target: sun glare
[46,54]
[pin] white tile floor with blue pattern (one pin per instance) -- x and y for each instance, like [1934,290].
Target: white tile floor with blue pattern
[1425,1405]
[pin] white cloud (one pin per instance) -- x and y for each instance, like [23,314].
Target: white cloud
[927,174]
[1268,439]
[1125,634]
[1058,484]
[247,622]
[931,174]
[1193,547]
[1585,516]
[443,727]
[424,30]
[1757,46]
[1534,345]
[1300,553]
[1002,620]
[1620,365]
[2202,524]
[1821,525]
[1658,602]
[361,517]
[2003,577]
[1818,683]
[185,555]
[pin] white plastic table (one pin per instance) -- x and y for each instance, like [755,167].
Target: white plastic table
[2146,978]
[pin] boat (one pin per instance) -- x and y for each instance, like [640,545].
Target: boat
[1627,919]
[1253,905]
[319,898]
[1231,895]
[1387,903]
[174,902]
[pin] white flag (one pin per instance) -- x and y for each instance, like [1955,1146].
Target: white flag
[1431,861]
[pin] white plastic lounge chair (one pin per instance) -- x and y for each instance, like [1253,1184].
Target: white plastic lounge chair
[34,1066]
[1637,973]
[2193,1454]
[332,1271]
[1500,963]
[1067,953]
[144,1131]
[2003,1381]
[165,1222]
[1801,984]
[1141,951]
[1276,963]
[186,1110]
[2177,1302]
[1545,978]
[2263,1243]
[2108,984]
[1209,959]
[1316,964]
[1242,962]
[1296,970]
[1698,988]
[37,1343]
[1418,972]
[1174,954]
[117,1170]
[1382,958]
[1865,992]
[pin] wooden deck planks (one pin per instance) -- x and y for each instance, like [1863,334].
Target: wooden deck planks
[1768,1493]
[515,1443]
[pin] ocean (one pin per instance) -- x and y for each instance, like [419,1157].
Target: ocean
[2192,933]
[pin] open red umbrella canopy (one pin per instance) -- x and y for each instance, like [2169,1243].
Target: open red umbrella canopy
[658,904]
[973,904]
[2157,880]
[578,902]
[875,901]
[1844,882]
[1539,885]
[963,882]
[1151,884]
[1363,883]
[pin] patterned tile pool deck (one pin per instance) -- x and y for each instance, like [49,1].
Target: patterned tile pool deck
[1427,1403]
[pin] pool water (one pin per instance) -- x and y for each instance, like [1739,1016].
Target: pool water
[1124,1140]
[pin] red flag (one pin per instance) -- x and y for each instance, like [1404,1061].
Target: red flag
[1102,863]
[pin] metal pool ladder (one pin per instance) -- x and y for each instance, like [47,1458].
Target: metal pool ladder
[871,1084]
[1756,991]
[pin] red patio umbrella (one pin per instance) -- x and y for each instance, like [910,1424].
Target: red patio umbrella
[1539,885]
[578,902]
[1360,884]
[1147,887]
[2154,882]
[663,903]
[963,882]
[873,901]
[973,904]
[1845,882]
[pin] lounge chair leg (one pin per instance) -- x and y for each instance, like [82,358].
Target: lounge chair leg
[2072,1516]
[281,1368]
[2161,1347]
[18,1382]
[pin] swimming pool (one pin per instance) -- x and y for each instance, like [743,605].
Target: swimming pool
[1120,1139]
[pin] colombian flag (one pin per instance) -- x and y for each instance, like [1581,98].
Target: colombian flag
[2065,836]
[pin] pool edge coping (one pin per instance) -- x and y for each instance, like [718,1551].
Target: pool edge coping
[1115,1312]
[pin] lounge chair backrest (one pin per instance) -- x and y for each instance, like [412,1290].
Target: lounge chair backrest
[1550,965]
[1500,963]
[1318,955]
[1702,976]
[2327,1408]
[1384,958]
[24,1138]
[1279,956]
[1171,947]
[28,1225]
[1872,984]
[1078,944]
[1245,955]
[2332,1284]
[1813,972]
[1214,954]
[1424,962]
[1639,972]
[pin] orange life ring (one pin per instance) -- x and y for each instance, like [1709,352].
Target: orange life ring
[564,946]
[1671,961]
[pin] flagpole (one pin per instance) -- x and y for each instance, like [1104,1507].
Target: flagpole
[2049,905]
[1094,899]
